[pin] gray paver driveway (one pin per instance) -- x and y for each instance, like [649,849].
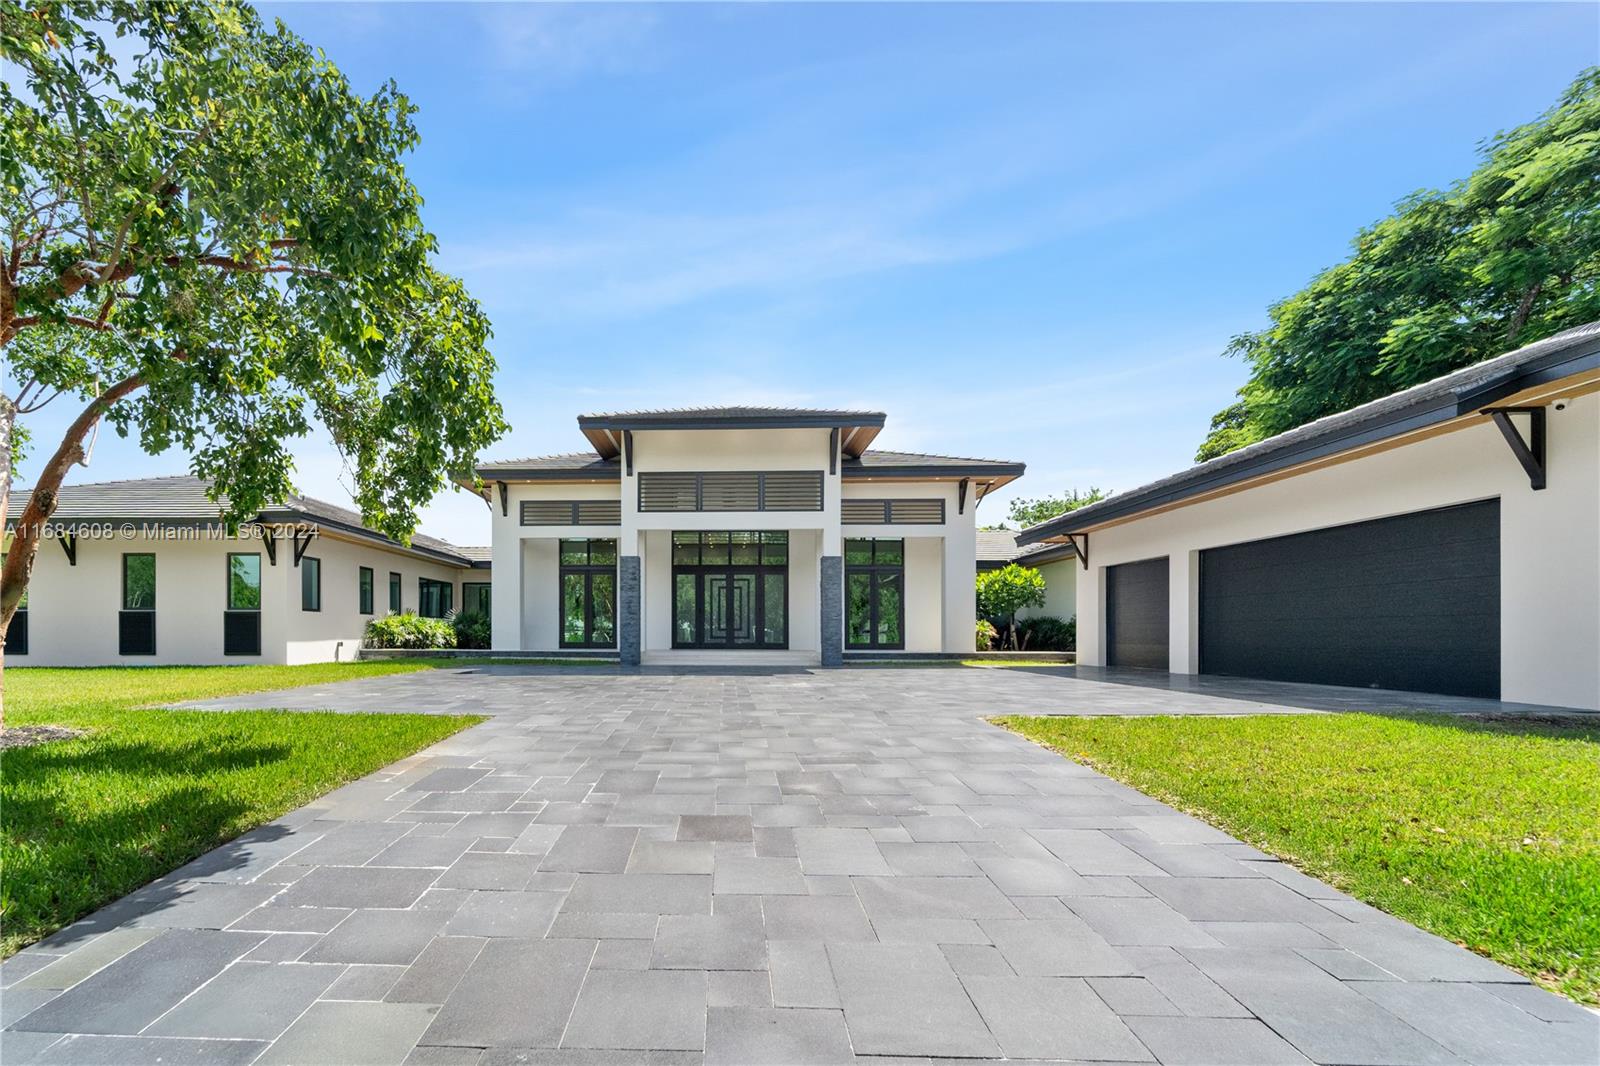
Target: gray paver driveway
[791,867]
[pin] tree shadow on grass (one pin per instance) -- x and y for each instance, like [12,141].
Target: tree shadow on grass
[1579,725]
[68,852]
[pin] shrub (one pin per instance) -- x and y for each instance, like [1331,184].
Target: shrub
[409,630]
[472,629]
[1047,633]
[987,635]
[1004,592]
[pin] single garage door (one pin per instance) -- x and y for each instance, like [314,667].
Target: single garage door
[1136,615]
[1411,602]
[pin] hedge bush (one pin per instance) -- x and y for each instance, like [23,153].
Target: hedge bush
[472,629]
[1046,633]
[987,635]
[410,630]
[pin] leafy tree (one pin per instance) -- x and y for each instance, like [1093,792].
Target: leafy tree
[212,244]
[1004,592]
[1033,511]
[1504,258]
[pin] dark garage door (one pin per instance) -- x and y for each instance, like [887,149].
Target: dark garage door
[1411,602]
[1136,614]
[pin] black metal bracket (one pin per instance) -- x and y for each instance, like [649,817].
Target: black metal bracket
[833,450]
[269,541]
[302,541]
[1082,549]
[961,495]
[505,499]
[627,450]
[1530,453]
[69,545]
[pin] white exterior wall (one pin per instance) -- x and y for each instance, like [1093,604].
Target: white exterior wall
[1549,543]
[72,610]
[1060,593]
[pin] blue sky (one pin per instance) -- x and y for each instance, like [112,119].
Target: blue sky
[1024,231]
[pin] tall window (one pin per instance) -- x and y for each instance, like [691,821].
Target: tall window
[874,594]
[364,581]
[394,592]
[136,624]
[588,593]
[310,584]
[434,598]
[16,642]
[241,622]
[475,597]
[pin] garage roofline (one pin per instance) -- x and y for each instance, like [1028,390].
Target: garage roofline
[1460,396]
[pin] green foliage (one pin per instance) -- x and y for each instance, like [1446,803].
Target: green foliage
[472,629]
[1004,592]
[987,635]
[1048,633]
[91,819]
[1506,257]
[1482,832]
[411,631]
[1031,512]
[209,216]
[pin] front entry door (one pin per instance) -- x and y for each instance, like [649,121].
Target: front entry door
[730,590]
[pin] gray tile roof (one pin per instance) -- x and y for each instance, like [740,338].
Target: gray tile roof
[887,462]
[997,547]
[584,463]
[736,414]
[185,500]
[1442,399]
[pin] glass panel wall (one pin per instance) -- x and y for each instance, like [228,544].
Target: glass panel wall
[874,598]
[730,589]
[588,584]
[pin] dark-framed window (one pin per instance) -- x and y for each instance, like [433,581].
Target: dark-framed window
[874,593]
[138,581]
[241,620]
[434,598]
[310,583]
[364,580]
[136,622]
[730,589]
[588,591]
[16,642]
[394,592]
[475,597]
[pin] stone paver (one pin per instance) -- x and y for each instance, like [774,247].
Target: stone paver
[745,866]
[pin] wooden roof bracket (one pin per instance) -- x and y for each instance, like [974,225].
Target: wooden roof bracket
[1081,548]
[1530,452]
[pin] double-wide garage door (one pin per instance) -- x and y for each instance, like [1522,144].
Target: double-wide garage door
[1410,602]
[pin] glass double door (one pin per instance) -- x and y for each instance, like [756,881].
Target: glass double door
[730,607]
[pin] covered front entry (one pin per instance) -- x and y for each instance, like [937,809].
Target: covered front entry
[730,589]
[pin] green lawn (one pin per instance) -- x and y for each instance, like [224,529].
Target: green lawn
[1486,833]
[87,820]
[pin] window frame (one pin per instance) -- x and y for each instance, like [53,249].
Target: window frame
[227,591]
[487,586]
[446,597]
[396,592]
[316,586]
[366,590]
[153,567]
[873,570]
[587,570]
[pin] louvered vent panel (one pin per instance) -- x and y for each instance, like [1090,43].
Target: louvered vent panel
[732,490]
[916,512]
[660,491]
[599,512]
[864,512]
[798,490]
[547,512]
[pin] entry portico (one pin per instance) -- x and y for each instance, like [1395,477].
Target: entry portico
[690,533]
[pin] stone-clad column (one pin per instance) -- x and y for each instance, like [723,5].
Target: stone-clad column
[628,642]
[831,575]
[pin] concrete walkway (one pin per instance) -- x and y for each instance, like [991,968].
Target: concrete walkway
[766,867]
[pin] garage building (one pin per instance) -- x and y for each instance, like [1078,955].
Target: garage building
[1444,539]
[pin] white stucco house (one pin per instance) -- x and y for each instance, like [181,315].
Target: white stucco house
[1443,539]
[739,534]
[142,573]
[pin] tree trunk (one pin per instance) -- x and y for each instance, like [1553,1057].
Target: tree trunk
[31,522]
[1524,309]
[8,420]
